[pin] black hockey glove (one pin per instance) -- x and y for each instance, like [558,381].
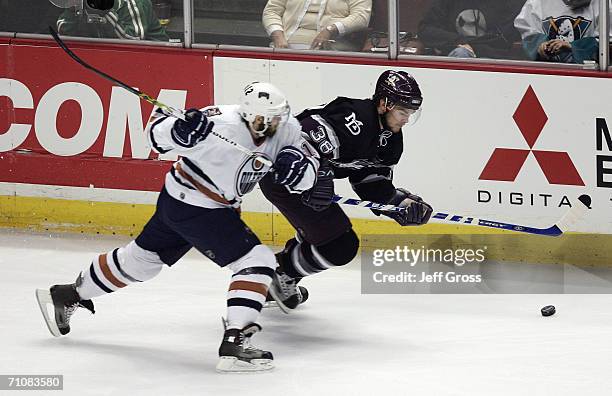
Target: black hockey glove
[193,130]
[290,166]
[321,195]
[417,211]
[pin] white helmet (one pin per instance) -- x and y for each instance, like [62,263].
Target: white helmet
[265,100]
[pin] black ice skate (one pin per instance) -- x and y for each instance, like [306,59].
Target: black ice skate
[237,355]
[63,301]
[285,291]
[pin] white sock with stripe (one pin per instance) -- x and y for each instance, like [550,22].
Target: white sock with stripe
[112,271]
[249,286]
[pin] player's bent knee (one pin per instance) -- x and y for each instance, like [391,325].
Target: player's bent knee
[341,250]
[139,263]
[259,256]
[257,265]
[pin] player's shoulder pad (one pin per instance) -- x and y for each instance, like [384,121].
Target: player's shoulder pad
[289,132]
[293,123]
[342,104]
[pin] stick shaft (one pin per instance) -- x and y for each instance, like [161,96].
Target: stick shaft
[553,230]
[167,109]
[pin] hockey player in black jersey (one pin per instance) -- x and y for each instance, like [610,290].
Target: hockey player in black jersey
[362,140]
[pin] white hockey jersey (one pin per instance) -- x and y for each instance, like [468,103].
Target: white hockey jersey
[218,165]
[557,21]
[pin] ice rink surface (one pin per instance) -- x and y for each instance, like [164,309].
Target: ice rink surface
[161,337]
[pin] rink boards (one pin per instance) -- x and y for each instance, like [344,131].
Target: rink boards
[498,143]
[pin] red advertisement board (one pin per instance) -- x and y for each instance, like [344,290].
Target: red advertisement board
[61,124]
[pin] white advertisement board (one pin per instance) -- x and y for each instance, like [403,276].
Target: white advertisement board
[503,146]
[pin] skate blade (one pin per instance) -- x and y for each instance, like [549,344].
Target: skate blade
[278,300]
[232,365]
[271,304]
[45,302]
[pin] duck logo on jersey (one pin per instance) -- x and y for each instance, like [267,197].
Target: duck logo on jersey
[353,124]
[566,28]
[250,173]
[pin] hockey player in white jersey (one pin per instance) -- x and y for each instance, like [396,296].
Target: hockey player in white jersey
[199,207]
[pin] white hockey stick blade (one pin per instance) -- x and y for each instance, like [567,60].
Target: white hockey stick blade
[233,365]
[575,213]
[48,310]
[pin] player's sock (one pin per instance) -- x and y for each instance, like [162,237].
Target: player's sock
[246,295]
[104,275]
[300,259]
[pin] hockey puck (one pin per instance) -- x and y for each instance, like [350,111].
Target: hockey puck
[548,310]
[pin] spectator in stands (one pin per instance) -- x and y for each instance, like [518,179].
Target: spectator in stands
[316,24]
[470,28]
[128,19]
[27,16]
[564,31]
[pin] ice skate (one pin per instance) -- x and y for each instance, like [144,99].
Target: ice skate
[237,355]
[58,304]
[284,289]
[285,293]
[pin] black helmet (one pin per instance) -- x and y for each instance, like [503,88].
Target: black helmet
[575,4]
[398,87]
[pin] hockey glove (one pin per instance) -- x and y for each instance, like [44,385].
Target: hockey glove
[290,166]
[193,130]
[417,211]
[321,195]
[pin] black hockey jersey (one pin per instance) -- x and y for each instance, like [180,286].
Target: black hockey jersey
[349,133]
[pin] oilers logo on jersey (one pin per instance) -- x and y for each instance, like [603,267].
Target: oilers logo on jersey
[250,173]
[566,28]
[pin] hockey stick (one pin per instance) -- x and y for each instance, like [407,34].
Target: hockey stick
[572,215]
[167,109]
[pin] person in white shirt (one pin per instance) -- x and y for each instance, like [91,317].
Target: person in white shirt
[199,207]
[316,24]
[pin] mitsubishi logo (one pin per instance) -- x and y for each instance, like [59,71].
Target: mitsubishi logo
[506,163]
